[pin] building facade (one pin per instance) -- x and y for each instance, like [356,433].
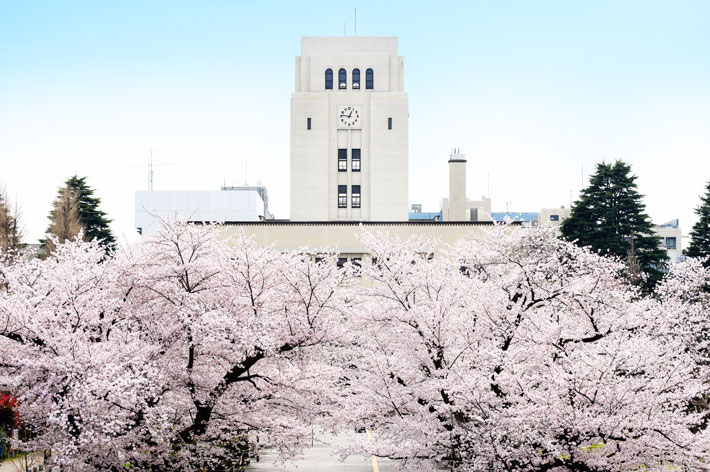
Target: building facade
[349,131]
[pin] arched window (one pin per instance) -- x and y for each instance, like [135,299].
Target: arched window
[356,78]
[342,79]
[329,79]
[369,79]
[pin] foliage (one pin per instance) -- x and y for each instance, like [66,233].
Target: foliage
[700,235]
[156,355]
[609,216]
[520,352]
[93,220]
[10,227]
[516,351]
[64,220]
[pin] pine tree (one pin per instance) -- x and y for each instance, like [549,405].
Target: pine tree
[64,219]
[610,218]
[10,228]
[93,220]
[700,234]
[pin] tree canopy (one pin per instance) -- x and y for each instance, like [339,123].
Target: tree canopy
[700,235]
[610,218]
[518,351]
[93,220]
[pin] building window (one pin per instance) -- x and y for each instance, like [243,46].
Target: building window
[308,124]
[356,78]
[342,160]
[329,79]
[342,196]
[342,79]
[670,243]
[369,79]
[357,265]
[356,160]
[554,217]
[341,262]
[356,196]
[389,123]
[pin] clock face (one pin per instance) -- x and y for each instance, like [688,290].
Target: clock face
[349,116]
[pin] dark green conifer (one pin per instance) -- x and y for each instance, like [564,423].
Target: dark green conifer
[700,235]
[610,218]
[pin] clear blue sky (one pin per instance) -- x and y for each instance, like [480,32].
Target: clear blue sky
[531,91]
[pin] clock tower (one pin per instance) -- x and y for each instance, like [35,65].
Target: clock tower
[349,131]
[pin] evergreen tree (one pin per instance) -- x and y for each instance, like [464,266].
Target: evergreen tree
[610,218]
[93,220]
[64,219]
[700,235]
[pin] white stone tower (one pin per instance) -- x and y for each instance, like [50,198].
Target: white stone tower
[349,131]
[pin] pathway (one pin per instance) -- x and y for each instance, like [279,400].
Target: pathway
[321,458]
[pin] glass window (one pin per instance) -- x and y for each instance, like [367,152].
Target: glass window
[309,123]
[357,265]
[369,79]
[356,196]
[341,262]
[329,79]
[342,79]
[342,160]
[356,160]
[554,217]
[356,78]
[342,196]
[670,243]
[389,123]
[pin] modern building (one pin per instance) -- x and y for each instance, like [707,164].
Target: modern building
[670,236]
[229,204]
[349,131]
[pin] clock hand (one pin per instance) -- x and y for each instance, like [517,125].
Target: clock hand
[351,114]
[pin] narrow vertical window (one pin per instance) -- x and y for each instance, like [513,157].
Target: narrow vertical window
[389,123]
[356,196]
[342,160]
[308,124]
[329,79]
[342,79]
[369,79]
[356,79]
[342,196]
[356,160]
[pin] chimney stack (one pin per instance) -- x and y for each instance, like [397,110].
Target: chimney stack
[457,186]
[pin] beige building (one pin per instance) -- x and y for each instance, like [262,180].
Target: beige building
[349,131]
[457,207]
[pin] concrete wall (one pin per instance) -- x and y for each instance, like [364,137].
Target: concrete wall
[384,153]
[314,237]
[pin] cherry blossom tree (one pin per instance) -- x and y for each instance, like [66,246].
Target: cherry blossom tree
[164,354]
[520,352]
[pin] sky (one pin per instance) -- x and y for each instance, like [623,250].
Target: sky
[534,93]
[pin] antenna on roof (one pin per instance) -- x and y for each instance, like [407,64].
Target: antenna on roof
[356,22]
[246,174]
[345,31]
[150,171]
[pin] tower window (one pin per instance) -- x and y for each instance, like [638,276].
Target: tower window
[342,79]
[356,78]
[369,79]
[308,123]
[356,196]
[342,160]
[356,160]
[389,123]
[329,79]
[342,196]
